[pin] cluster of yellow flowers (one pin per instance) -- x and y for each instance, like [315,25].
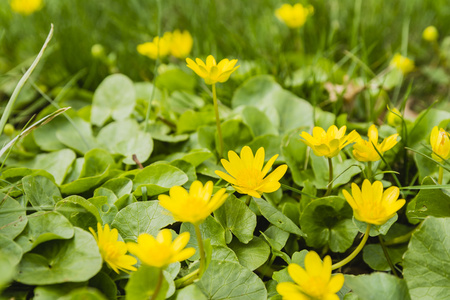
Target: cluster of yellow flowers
[176,43]
[25,7]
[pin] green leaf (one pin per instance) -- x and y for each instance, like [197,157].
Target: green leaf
[189,293]
[283,275]
[276,217]
[235,136]
[270,143]
[95,170]
[76,260]
[106,210]
[180,101]
[141,217]
[253,254]
[210,229]
[260,91]
[8,271]
[11,250]
[175,80]
[294,152]
[435,202]
[378,286]
[276,237]
[158,178]
[125,138]
[427,260]
[55,291]
[44,226]
[342,173]
[142,284]
[115,97]
[258,121]
[105,284]
[85,293]
[228,280]
[328,221]
[78,135]
[119,186]
[14,221]
[40,191]
[79,212]
[191,120]
[373,255]
[376,229]
[56,163]
[235,216]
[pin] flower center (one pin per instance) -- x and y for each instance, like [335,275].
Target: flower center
[249,178]
[316,288]
[109,251]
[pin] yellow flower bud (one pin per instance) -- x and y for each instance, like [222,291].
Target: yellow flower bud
[392,117]
[404,64]
[430,34]
[440,143]
[294,16]
[26,7]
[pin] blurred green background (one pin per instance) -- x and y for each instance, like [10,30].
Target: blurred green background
[343,39]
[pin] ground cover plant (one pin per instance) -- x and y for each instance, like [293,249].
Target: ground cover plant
[224,149]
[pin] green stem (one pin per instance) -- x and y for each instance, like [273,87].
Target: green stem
[201,249]
[158,285]
[441,175]
[369,171]
[354,253]
[330,177]
[219,129]
[247,201]
[386,254]
[187,280]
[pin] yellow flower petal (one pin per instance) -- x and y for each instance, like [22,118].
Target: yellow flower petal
[161,251]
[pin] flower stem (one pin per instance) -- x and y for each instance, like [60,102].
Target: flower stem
[219,129]
[247,201]
[158,285]
[386,254]
[369,171]
[186,280]
[201,249]
[330,176]
[441,175]
[355,252]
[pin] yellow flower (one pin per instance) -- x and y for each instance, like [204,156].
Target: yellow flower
[328,143]
[294,16]
[364,150]
[372,205]
[26,7]
[113,251]
[440,143]
[404,64]
[211,71]
[392,117]
[161,252]
[150,49]
[247,172]
[314,282]
[430,34]
[181,44]
[193,207]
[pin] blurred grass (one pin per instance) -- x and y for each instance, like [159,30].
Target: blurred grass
[372,30]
